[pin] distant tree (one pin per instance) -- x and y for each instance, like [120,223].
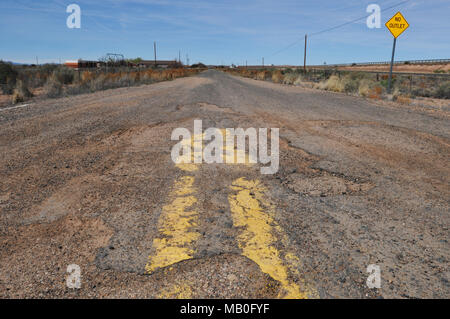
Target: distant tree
[198,66]
[136,60]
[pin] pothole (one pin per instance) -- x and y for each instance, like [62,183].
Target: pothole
[324,186]
[216,108]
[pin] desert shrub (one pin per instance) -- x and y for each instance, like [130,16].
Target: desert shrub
[350,83]
[64,75]
[333,83]
[136,76]
[290,78]
[443,92]
[125,79]
[396,91]
[156,76]
[99,83]
[424,92]
[87,76]
[93,81]
[47,68]
[78,88]
[8,77]
[385,81]
[21,92]
[366,87]
[277,76]
[261,75]
[146,77]
[299,80]
[165,75]
[402,99]
[248,73]
[36,78]
[39,75]
[53,88]
[375,92]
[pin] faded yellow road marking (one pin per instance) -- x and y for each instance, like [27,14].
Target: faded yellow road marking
[177,291]
[176,224]
[257,239]
[186,163]
[230,153]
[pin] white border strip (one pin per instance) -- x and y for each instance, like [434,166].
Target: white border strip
[14,107]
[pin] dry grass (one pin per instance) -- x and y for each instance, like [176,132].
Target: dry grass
[261,75]
[356,83]
[375,93]
[55,81]
[93,81]
[352,83]
[406,100]
[290,78]
[369,88]
[333,84]
[365,87]
[277,77]
[53,88]
[21,92]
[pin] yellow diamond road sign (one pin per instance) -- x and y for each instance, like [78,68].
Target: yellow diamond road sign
[397,24]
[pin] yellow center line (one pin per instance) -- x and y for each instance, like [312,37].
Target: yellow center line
[259,231]
[176,227]
[257,239]
[177,234]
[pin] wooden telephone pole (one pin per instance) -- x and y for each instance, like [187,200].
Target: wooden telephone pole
[304,58]
[154,47]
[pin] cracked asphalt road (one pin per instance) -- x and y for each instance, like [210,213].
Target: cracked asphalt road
[89,180]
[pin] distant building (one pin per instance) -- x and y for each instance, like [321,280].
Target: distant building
[78,64]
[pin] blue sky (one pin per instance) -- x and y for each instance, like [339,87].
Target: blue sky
[216,32]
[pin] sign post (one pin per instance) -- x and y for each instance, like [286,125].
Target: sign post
[392,65]
[396,25]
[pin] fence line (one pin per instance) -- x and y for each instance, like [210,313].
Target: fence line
[429,61]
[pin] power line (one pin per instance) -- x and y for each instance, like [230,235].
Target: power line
[336,27]
[356,20]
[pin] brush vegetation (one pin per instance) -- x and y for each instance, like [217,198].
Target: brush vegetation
[55,80]
[354,83]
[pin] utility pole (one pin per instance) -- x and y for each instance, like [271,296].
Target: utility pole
[304,58]
[37,60]
[187,59]
[154,47]
[263,61]
[179,56]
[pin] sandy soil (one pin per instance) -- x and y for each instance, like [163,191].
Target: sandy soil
[89,180]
